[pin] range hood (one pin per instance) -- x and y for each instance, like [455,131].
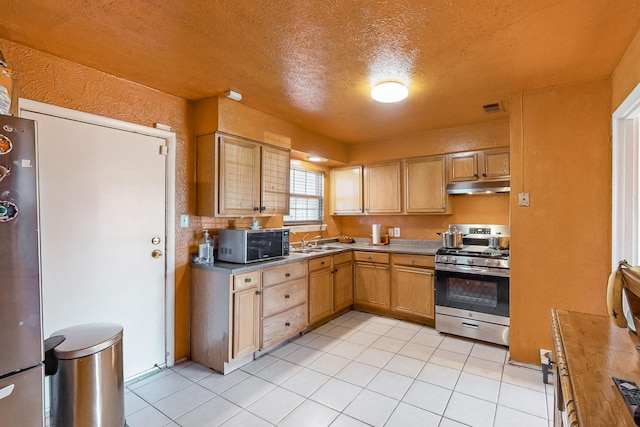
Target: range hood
[479,187]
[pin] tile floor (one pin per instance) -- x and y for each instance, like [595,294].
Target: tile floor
[356,370]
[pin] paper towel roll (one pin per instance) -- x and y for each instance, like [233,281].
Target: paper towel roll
[375,232]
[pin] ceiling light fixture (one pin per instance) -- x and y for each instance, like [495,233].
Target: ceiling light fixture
[316,159]
[236,96]
[389,92]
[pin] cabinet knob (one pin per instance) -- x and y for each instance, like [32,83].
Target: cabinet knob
[264,208]
[287,275]
[247,280]
[413,260]
[369,257]
[287,324]
[255,208]
[258,292]
[287,296]
[484,175]
[321,262]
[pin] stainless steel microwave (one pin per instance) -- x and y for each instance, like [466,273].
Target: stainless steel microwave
[246,246]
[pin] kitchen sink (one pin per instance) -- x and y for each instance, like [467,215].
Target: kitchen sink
[315,249]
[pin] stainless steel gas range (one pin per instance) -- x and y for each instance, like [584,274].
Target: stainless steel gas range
[472,285]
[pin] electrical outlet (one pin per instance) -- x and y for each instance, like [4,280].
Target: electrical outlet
[390,232]
[396,231]
[523,199]
[184,221]
[544,356]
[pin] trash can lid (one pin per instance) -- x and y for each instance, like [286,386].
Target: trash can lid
[85,340]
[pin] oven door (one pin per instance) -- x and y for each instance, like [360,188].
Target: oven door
[473,292]
[473,304]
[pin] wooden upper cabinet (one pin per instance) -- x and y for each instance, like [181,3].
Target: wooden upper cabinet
[425,184]
[496,164]
[382,188]
[239,177]
[346,190]
[275,181]
[464,167]
[485,165]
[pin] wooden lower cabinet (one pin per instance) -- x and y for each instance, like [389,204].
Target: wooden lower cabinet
[342,281]
[412,285]
[320,288]
[371,280]
[246,322]
[225,317]
[284,310]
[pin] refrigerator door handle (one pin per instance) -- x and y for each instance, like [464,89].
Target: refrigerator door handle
[6,391]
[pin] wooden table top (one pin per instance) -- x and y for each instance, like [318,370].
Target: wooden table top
[589,350]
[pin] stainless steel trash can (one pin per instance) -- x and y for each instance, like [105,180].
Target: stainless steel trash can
[88,387]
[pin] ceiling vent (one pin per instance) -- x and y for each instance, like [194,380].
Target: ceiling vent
[496,107]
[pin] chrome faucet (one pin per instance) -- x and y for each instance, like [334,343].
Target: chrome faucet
[316,238]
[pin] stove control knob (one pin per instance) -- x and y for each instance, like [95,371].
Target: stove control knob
[453,260]
[492,263]
[470,261]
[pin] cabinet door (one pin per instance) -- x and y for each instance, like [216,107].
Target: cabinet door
[342,286]
[320,294]
[413,291]
[371,285]
[464,167]
[239,176]
[425,182]
[382,188]
[346,190]
[496,164]
[275,181]
[246,322]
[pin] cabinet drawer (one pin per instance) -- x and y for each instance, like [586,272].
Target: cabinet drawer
[318,263]
[283,273]
[284,296]
[246,280]
[341,258]
[372,257]
[414,260]
[284,325]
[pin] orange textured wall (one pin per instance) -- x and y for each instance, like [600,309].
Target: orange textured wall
[560,244]
[52,80]
[626,76]
[475,209]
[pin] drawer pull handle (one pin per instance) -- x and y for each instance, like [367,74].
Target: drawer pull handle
[287,275]
[470,326]
[369,257]
[322,263]
[287,296]
[247,280]
[413,260]
[287,324]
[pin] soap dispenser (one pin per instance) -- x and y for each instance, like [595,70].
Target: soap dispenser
[205,249]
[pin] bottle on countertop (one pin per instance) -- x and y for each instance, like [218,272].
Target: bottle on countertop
[205,249]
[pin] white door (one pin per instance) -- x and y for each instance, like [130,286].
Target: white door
[102,210]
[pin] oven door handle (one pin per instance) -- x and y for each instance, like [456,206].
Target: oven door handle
[457,268]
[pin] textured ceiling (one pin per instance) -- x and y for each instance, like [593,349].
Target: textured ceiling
[313,62]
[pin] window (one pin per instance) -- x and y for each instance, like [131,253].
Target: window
[306,197]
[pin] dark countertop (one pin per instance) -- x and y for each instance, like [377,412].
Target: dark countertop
[414,247]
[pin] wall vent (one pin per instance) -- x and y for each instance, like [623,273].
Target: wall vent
[496,107]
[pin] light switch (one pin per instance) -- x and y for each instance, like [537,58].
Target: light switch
[184,221]
[396,231]
[523,199]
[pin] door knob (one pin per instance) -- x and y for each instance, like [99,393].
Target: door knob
[156,253]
